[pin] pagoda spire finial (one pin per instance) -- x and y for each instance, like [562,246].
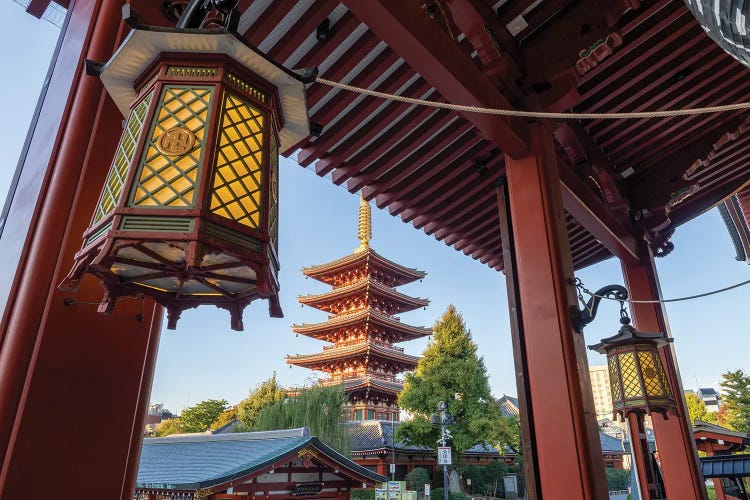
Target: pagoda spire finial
[364,228]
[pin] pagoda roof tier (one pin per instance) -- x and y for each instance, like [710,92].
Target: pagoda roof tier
[322,360]
[363,293]
[390,327]
[338,272]
[367,382]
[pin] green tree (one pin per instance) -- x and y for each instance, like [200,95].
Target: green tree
[416,479]
[199,418]
[264,394]
[224,418]
[318,408]
[617,479]
[167,427]
[736,397]
[450,370]
[697,409]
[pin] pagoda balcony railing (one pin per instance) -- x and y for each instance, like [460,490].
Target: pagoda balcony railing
[355,342]
[335,379]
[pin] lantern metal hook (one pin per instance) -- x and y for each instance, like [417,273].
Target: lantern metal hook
[584,316]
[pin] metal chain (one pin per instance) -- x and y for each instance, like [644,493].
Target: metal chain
[581,288]
[538,114]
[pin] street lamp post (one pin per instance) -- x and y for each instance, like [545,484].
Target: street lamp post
[444,419]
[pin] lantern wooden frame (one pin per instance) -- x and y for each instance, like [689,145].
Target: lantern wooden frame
[189,212]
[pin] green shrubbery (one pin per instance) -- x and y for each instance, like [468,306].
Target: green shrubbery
[618,479]
[363,495]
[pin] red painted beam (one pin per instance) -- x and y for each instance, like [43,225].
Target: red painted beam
[302,29]
[409,31]
[334,133]
[268,21]
[349,60]
[408,159]
[463,151]
[595,217]
[356,155]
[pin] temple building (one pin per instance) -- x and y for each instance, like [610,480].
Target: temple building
[362,327]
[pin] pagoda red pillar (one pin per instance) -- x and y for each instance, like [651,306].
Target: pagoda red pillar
[74,384]
[674,436]
[568,450]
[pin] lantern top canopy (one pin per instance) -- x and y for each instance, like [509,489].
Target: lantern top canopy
[142,47]
[629,335]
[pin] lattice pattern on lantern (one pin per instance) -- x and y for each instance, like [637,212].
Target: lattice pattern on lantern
[168,180]
[630,384]
[650,375]
[124,155]
[236,192]
[614,386]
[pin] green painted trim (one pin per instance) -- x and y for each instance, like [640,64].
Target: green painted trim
[156,223]
[98,234]
[235,237]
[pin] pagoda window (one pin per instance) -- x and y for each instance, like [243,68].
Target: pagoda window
[381,415]
[358,414]
[370,414]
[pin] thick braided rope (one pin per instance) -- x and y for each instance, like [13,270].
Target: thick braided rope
[537,114]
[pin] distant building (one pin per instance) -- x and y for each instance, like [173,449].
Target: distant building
[272,464]
[600,387]
[710,397]
[156,413]
[509,406]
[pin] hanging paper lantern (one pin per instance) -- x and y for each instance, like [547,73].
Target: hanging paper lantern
[189,211]
[636,375]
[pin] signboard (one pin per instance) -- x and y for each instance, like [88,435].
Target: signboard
[307,488]
[393,468]
[427,489]
[444,455]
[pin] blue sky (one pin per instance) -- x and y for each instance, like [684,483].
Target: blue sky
[204,359]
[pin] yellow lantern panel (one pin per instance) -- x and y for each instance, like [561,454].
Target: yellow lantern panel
[631,386]
[237,181]
[123,157]
[651,380]
[171,164]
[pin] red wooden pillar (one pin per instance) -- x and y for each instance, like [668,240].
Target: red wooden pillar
[639,442]
[674,436]
[568,450]
[74,384]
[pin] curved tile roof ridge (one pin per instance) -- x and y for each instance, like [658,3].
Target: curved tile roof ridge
[348,349]
[356,256]
[233,436]
[365,281]
[356,315]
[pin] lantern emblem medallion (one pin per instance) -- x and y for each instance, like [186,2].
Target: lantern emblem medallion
[176,141]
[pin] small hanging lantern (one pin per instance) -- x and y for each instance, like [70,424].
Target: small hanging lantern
[636,375]
[189,210]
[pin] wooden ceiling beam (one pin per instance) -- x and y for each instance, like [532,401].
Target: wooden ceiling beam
[304,26]
[333,134]
[400,161]
[412,128]
[349,60]
[591,213]
[268,21]
[434,174]
[431,52]
[452,204]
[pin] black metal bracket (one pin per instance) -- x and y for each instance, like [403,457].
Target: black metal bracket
[583,317]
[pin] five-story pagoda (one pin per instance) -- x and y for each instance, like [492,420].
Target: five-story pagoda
[362,326]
